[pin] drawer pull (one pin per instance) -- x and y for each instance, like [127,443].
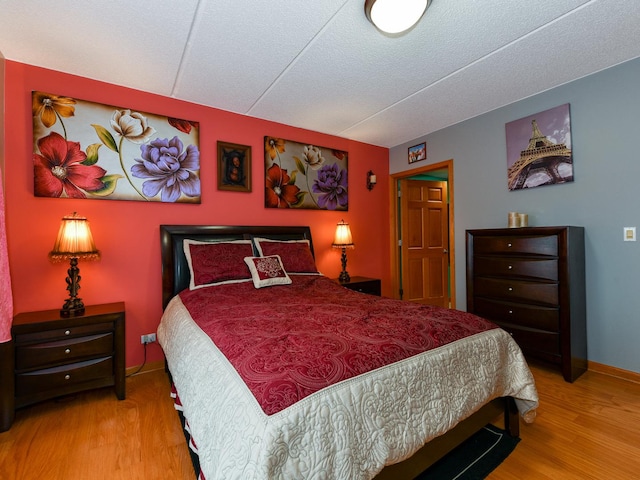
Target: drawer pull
[67,350]
[509,245]
[67,332]
[67,377]
[510,267]
[510,312]
[511,289]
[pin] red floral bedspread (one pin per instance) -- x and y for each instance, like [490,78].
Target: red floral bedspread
[289,341]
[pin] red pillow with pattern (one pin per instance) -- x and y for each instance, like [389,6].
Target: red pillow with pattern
[295,254]
[217,263]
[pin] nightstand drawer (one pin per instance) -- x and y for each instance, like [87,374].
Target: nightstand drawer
[62,376]
[371,286]
[63,351]
[61,333]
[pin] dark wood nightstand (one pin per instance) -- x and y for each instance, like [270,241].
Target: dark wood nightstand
[372,286]
[51,356]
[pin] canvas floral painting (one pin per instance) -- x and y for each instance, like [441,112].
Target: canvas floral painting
[89,150]
[299,175]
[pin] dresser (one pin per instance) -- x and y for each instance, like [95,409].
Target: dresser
[50,356]
[531,282]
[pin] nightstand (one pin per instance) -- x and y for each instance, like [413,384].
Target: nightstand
[372,286]
[53,356]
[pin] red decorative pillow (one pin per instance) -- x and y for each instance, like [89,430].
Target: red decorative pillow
[295,254]
[267,271]
[216,263]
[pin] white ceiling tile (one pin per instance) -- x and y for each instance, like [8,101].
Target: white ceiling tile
[321,65]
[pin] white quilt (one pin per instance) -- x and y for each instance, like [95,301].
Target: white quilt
[350,430]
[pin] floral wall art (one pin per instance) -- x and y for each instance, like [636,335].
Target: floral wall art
[89,150]
[304,176]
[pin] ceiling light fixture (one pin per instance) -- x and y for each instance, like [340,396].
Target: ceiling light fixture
[394,17]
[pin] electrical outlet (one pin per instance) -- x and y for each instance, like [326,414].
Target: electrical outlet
[148,338]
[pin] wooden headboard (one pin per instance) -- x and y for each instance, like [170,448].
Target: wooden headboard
[175,270]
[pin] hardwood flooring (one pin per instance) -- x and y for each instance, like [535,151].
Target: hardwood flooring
[585,430]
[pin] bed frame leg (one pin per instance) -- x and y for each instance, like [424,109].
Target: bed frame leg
[511,417]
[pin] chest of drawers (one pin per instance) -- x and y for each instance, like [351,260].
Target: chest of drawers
[531,282]
[53,356]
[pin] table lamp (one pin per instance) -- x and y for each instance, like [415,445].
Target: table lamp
[74,242]
[343,240]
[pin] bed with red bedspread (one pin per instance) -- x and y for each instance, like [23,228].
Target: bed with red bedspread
[283,373]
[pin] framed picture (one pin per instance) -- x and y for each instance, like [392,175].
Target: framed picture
[539,149]
[418,152]
[234,167]
[90,150]
[300,175]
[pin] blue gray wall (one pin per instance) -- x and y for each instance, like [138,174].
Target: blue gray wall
[604,197]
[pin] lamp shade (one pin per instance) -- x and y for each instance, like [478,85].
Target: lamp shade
[394,17]
[74,240]
[343,236]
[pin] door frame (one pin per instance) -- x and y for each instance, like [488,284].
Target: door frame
[394,230]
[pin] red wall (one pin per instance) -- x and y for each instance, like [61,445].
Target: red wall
[127,233]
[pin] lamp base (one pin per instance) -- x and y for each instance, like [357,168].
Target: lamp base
[344,277]
[73,307]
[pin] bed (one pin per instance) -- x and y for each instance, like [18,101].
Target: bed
[246,417]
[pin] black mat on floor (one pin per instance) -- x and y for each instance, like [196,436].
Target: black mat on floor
[474,459]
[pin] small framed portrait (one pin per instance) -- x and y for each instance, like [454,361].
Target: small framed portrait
[234,167]
[418,152]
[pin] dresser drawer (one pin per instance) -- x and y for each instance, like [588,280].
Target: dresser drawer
[63,351]
[533,316]
[65,375]
[531,341]
[517,290]
[60,333]
[531,245]
[544,269]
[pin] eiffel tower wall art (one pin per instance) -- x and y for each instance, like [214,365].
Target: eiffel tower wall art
[539,149]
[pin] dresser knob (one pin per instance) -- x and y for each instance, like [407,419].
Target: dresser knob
[67,377]
[67,351]
[68,332]
[510,267]
[509,245]
[511,289]
[510,312]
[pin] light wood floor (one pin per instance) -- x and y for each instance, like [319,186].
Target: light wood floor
[585,430]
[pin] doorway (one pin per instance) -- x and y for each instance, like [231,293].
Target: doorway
[423,256]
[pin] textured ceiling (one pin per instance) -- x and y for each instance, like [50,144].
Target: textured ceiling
[320,64]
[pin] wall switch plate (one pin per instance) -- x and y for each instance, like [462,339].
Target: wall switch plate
[148,338]
[629,234]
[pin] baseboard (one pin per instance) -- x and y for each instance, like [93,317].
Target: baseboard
[614,372]
[148,367]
